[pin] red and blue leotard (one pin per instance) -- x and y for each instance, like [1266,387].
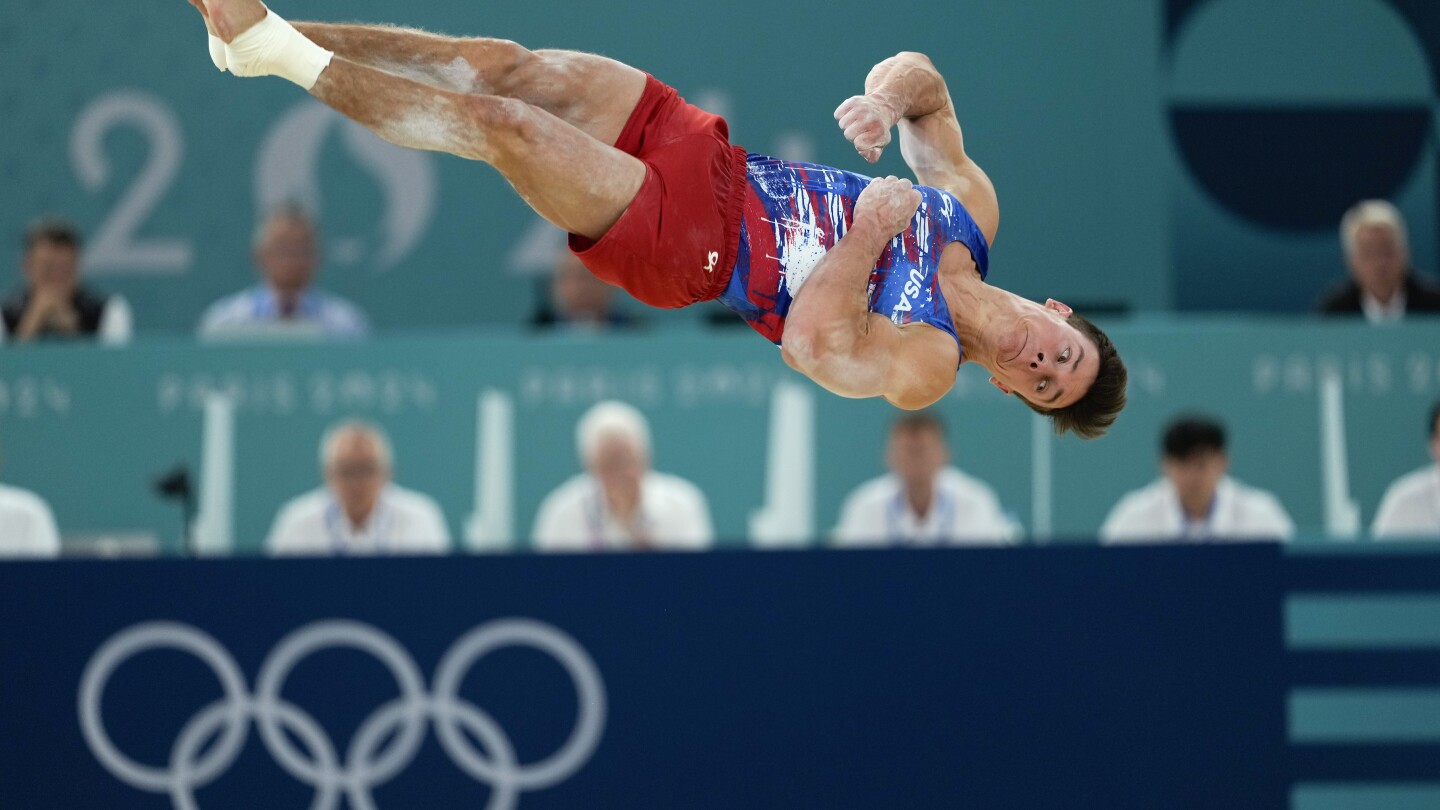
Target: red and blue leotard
[795,212]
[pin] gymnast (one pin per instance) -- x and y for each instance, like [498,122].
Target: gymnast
[871,287]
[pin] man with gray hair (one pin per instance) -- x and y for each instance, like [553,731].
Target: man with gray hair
[1382,286]
[286,250]
[618,502]
[359,510]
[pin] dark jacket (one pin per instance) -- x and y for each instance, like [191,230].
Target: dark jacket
[1421,295]
[88,305]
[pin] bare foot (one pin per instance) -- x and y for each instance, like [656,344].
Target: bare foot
[231,18]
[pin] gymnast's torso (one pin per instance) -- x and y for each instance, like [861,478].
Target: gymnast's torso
[795,212]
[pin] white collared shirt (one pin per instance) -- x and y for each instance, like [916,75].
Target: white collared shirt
[1378,313]
[255,311]
[403,522]
[673,515]
[1239,512]
[1411,506]
[27,527]
[964,511]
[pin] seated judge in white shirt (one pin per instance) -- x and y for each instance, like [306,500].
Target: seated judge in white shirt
[923,501]
[1410,507]
[359,510]
[1194,500]
[618,502]
[27,526]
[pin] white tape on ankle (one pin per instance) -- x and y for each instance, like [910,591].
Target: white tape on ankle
[272,47]
[217,52]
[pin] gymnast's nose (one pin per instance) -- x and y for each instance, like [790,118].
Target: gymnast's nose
[1039,358]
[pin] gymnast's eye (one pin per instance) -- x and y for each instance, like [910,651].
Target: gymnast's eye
[1065,356]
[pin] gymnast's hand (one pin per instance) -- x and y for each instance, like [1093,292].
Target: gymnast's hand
[887,205]
[867,121]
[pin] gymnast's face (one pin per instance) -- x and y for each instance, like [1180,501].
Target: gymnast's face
[1043,359]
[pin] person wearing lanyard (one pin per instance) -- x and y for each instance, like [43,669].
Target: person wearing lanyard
[618,503]
[1195,500]
[287,253]
[359,510]
[1411,505]
[923,501]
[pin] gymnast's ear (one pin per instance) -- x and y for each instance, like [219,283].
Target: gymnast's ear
[1005,389]
[1055,306]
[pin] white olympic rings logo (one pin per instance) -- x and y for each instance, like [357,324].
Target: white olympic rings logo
[365,765]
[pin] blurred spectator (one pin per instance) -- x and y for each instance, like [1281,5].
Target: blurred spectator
[1195,500]
[923,501]
[359,510]
[619,502]
[579,300]
[1382,285]
[1411,505]
[285,303]
[53,303]
[27,527]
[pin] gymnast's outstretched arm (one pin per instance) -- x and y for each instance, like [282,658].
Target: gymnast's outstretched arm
[907,90]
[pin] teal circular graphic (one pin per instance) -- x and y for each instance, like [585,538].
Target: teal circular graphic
[1288,112]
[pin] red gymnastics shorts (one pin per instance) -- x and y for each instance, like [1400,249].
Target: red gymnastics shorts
[675,244]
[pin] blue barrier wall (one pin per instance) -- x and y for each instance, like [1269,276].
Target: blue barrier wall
[1140,677]
[729,680]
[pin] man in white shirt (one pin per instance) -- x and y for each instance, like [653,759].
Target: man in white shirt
[285,304]
[923,501]
[1194,500]
[618,502]
[27,527]
[1411,505]
[359,510]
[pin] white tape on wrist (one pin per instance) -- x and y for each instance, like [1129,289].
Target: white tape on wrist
[272,47]
[217,52]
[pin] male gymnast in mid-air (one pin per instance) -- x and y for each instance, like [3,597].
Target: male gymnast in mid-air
[657,201]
